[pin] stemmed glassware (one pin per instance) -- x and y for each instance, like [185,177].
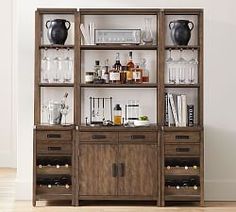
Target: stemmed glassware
[58,68]
[171,69]
[193,66]
[68,68]
[45,67]
[182,64]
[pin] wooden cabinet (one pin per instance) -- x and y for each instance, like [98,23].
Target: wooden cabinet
[118,170]
[137,168]
[97,170]
[119,162]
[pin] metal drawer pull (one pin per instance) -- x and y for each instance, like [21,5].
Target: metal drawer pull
[137,136]
[54,148]
[53,135]
[114,170]
[98,136]
[121,170]
[182,149]
[180,137]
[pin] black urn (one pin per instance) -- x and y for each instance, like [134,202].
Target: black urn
[57,31]
[181,31]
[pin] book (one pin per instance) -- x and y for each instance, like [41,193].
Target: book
[179,110]
[85,34]
[174,112]
[184,110]
[166,109]
[190,111]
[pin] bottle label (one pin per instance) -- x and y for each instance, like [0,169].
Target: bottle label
[115,76]
[137,75]
[88,78]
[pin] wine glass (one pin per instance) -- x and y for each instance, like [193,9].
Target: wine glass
[192,63]
[45,67]
[182,63]
[68,68]
[171,69]
[58,67]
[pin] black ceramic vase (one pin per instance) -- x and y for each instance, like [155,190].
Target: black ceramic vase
[181,31]
[57,31]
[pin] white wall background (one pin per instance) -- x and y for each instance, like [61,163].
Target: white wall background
[7,141]
[220,75]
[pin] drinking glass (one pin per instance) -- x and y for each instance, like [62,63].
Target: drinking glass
[45,67]
[193,67]
[68,68]
[57,68]
[182,64]
[171,69]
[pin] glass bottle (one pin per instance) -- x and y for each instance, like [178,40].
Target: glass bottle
[145,76]
[105,72]
[137,74]
[117,65]
[147,34]
[130,66]
[117,115]
[123,74]
[97,70]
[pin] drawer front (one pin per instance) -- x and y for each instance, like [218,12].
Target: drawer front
[98,137]
[182,191]
[51,135]
[53,190]
[51,147]
[182,149]
[137,136]
[181,137]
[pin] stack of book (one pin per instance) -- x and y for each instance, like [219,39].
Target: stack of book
[177,112]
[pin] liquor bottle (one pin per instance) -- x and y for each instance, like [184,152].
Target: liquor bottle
[137,74]
[123,73]
[105,72]
[130,67]
[98,73]
[117,115]
[145,76]
[117,65]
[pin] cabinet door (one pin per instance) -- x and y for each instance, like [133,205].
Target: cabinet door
[97,169]
[137,169]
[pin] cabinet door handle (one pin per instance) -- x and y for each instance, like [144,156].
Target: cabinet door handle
[54,148]
[182,149]
[114,170]
[182,137]
[137,137]
[98,136]
[53,135]
[121,170]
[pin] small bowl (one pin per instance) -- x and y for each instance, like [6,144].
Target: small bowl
[139,123]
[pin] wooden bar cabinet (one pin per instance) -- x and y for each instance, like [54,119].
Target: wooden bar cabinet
[78,162]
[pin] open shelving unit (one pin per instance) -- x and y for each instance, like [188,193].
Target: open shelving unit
[129,162]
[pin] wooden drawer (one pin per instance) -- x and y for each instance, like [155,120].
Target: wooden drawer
[137,136]
[181,137]
[57,190]
[45,170]
[182,149]
[51,135]
[182,171]
[182,191]
[54,147]
[98,137]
